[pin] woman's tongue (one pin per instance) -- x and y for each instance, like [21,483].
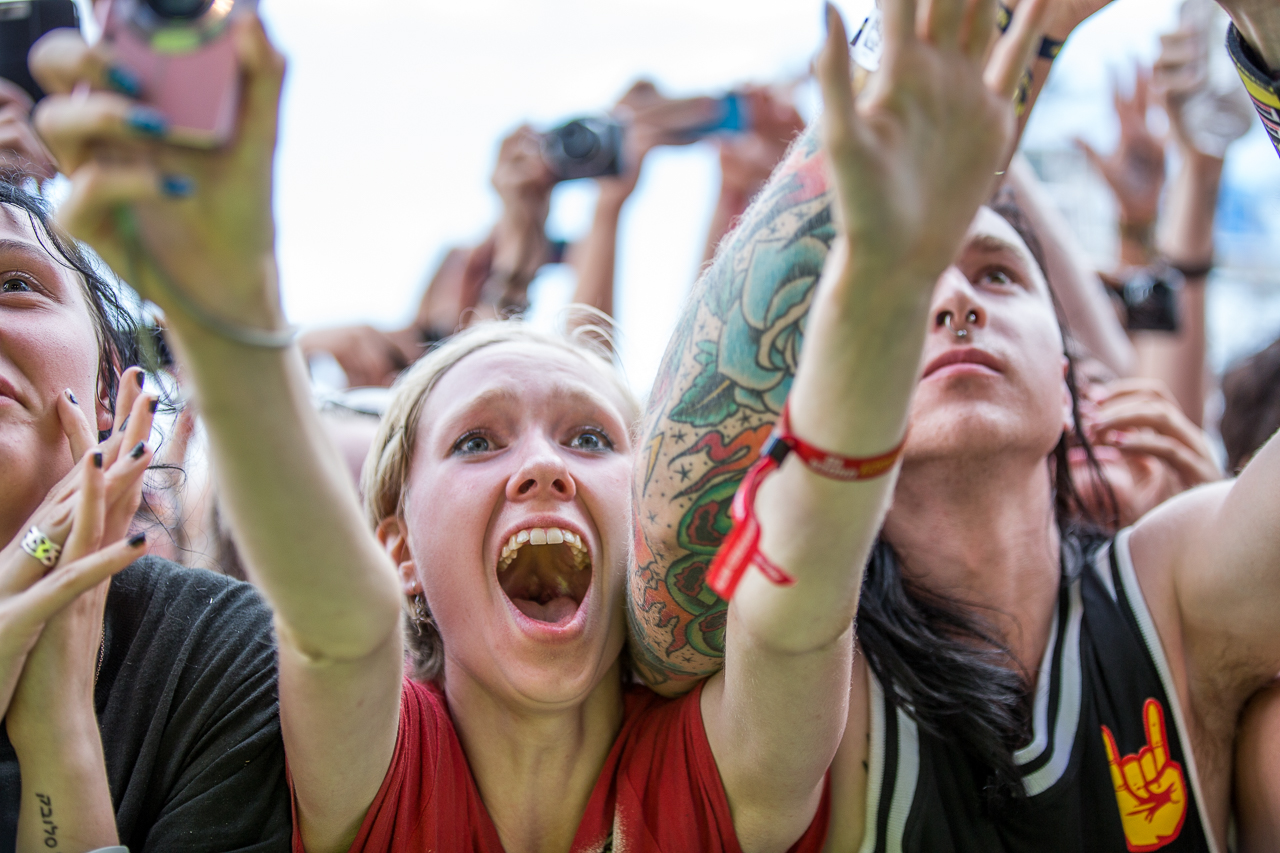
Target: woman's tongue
[559,609]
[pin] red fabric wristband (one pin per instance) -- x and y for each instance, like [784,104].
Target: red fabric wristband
[741,548]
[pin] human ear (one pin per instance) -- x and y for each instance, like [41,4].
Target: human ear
[103,409]
[1068,409]
[391,535]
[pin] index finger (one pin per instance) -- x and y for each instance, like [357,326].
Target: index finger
[61,60]
[1156,737]
[1113,760]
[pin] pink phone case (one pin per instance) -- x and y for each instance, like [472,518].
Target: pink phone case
[198,92]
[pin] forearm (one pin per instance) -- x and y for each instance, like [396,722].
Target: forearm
[1187,238]
[850,397]
[1086,310]
[596,258]
[66,802]
[289,498]
[1260,28]
[1178,359]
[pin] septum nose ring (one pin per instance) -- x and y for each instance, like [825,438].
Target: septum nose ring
[945,318]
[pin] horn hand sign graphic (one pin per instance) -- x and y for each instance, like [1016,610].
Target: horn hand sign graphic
[1150,789]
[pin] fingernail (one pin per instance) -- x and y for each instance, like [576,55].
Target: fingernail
[147,121]
[124,423]
[72,398]
[177,186]
[155,404]
[137,540]
[142,378]
[137,451]
[124,81]
[97,459]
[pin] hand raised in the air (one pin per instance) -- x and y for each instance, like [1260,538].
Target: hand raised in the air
[916,152]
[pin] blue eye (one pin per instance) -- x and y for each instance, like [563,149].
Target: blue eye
[592,440]
[472,444]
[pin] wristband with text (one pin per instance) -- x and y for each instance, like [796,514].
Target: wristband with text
[1262,85]
[741,548]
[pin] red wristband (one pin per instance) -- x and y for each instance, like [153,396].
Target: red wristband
[741,548]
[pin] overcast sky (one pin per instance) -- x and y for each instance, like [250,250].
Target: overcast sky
[393,110]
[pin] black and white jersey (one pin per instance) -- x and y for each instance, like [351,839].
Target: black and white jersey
[1109,767]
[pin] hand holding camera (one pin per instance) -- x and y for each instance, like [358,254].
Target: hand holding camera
[603,146]
[191,230]
[182,61]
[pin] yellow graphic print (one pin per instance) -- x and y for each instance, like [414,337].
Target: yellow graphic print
[1151,790]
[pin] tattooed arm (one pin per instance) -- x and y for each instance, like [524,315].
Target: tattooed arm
[721,386]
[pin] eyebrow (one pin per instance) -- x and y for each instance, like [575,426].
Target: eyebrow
[30,253]
[505,396]
[991,245]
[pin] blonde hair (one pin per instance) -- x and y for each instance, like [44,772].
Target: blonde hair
[386,469]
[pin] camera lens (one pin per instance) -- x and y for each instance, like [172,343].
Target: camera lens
[179,9]
[579,141]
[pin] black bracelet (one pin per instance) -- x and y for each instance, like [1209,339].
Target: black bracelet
[1191,271]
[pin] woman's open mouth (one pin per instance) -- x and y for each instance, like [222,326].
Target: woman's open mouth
[546,572]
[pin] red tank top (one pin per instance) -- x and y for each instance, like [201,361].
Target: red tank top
[659,790]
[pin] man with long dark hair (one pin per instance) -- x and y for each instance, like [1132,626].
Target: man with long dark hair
[1024,684]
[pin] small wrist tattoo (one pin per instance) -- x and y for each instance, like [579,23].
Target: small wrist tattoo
[46,818]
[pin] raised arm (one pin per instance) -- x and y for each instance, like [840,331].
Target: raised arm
[193,232]
[911,159]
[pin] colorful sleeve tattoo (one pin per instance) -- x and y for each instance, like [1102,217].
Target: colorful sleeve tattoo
[723,381]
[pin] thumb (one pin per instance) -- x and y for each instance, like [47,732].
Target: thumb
[1090,153]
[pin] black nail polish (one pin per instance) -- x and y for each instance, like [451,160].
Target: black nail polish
[72,398]
[124,423]
[97,459]
[137,539]
[155,404]
[142,378]
[137,451]
[124,81]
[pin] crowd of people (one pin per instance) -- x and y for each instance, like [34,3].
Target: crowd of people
[923,539]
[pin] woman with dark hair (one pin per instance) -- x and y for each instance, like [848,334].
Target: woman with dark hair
[1024,684]
[140,710]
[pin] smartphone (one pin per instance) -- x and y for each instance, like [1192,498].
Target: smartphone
[182,55]
[22,23]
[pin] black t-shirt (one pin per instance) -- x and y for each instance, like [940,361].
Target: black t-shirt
[187,706]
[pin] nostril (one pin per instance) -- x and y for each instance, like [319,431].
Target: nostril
[525,487]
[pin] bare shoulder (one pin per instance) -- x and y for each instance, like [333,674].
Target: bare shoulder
[1174,545]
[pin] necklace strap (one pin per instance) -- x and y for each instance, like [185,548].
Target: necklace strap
[741,548]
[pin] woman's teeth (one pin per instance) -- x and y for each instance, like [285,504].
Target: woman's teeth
[546,536]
